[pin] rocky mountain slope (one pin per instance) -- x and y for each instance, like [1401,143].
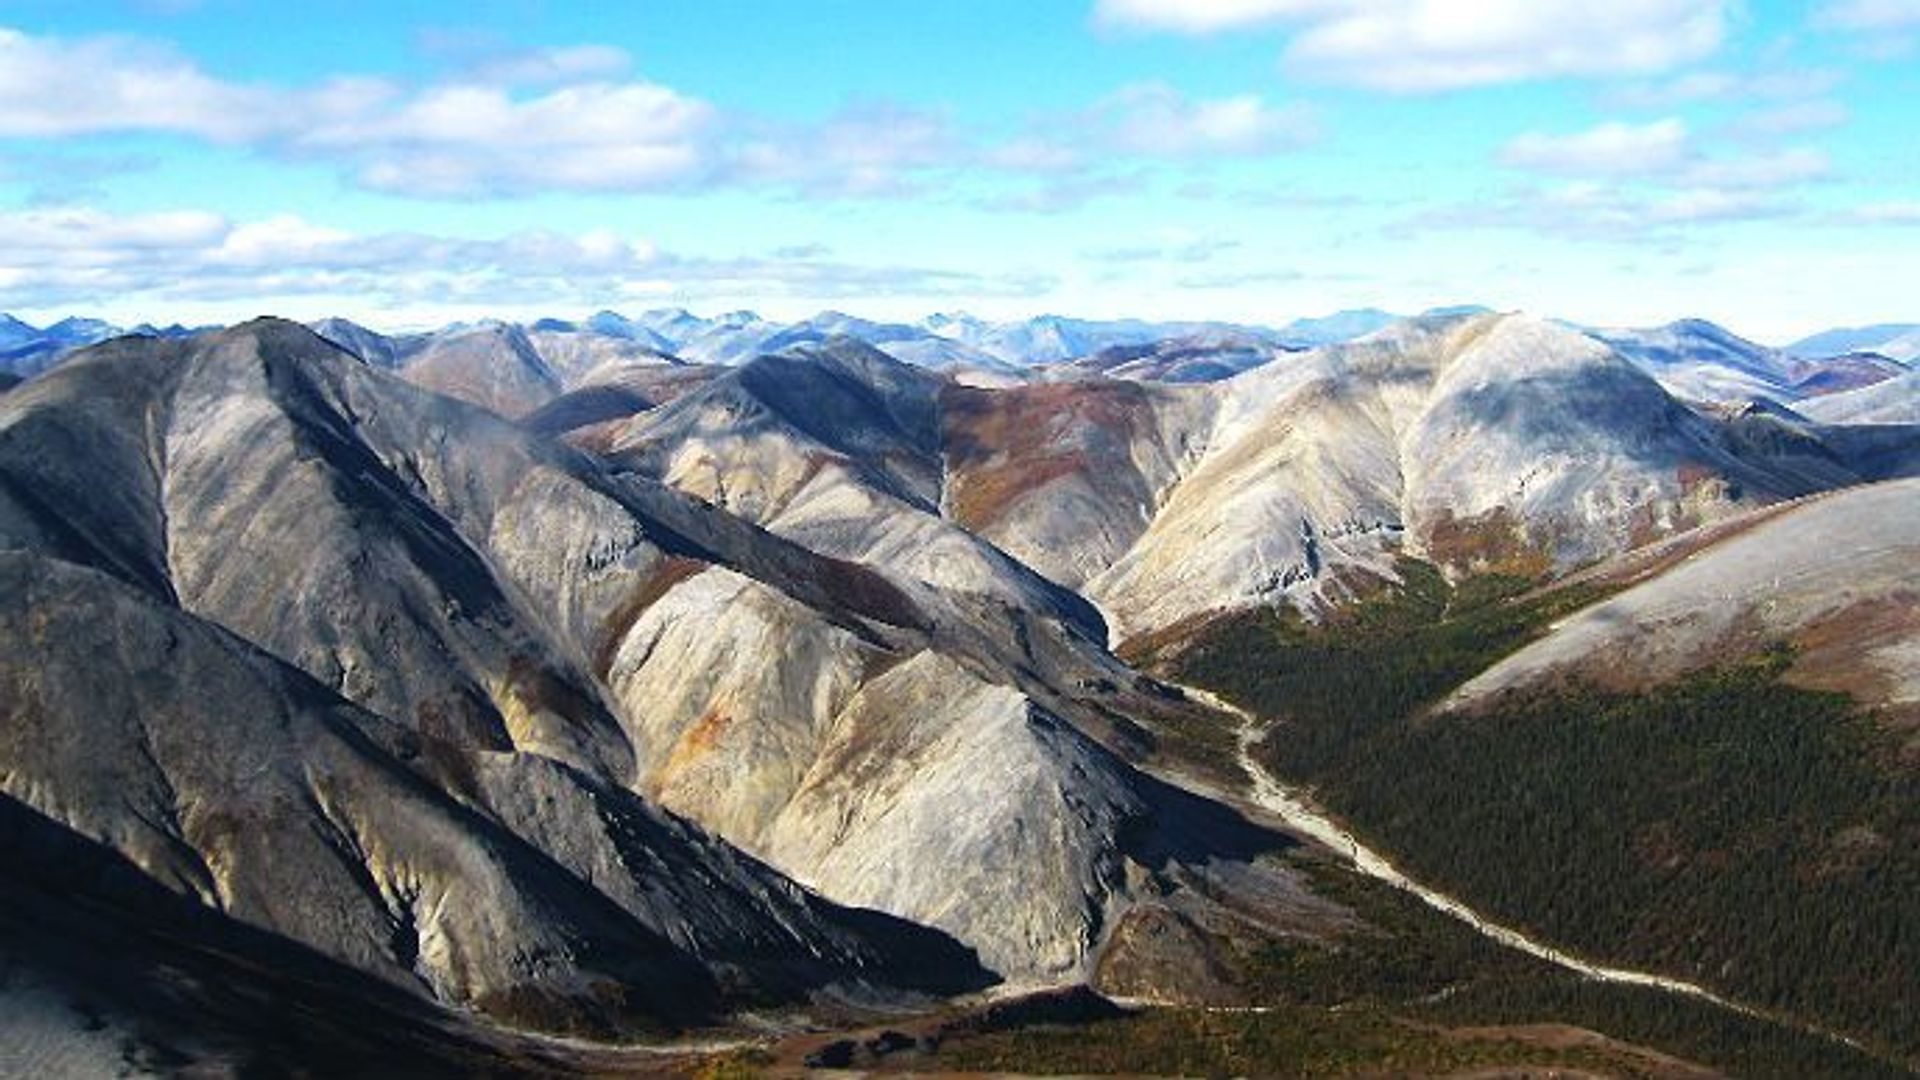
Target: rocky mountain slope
[536,635]
[1190,359]
[1475,441]
[1896,341]
[465,827]
[1893,401]
[1834,575]
[506,882]
[27,350]
[1699,361]
[840,449]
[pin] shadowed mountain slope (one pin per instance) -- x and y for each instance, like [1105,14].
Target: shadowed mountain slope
[485,589]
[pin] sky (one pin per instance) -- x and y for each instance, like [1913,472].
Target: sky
[412,162]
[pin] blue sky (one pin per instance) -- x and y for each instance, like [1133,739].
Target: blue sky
[412,162]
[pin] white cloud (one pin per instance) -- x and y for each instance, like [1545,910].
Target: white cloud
[86,259]
[589,114]
[1432,45]
[1782,168]
[1800,116]
[1776,85]
[1663,153]
[1426,45]
[552,64]
[471,139]
[1203,16]
[52,87]
[1613,148]
[457,171]
[285,238]
[1155,120]
[459,138]
[575,119]
[1595,210]
[1868,14]
[1902,212]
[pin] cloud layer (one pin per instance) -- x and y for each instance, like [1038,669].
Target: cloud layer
[578,119]
[59,258]
[1612,148]
[1436,45]
[1868,14]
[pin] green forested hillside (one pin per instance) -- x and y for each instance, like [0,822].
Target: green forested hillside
[1727,827]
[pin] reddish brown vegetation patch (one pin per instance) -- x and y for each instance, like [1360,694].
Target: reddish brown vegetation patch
[1002,444]
[1835,654]
[670,571]
[1154,648]
[1693,476]
[1492,543]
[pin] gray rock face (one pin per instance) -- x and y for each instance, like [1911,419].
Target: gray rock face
[467,830]
[844,450]
[850,453]
[105,972]
[380,350]
[253,500]
[495,366]
[555,622]
[858,816]
[297,805]
[506,882]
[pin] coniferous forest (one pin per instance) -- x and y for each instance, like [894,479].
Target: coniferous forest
[1727,828]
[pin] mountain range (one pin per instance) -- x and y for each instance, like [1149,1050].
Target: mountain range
[1896,341]
[637,679]
[1693,358]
